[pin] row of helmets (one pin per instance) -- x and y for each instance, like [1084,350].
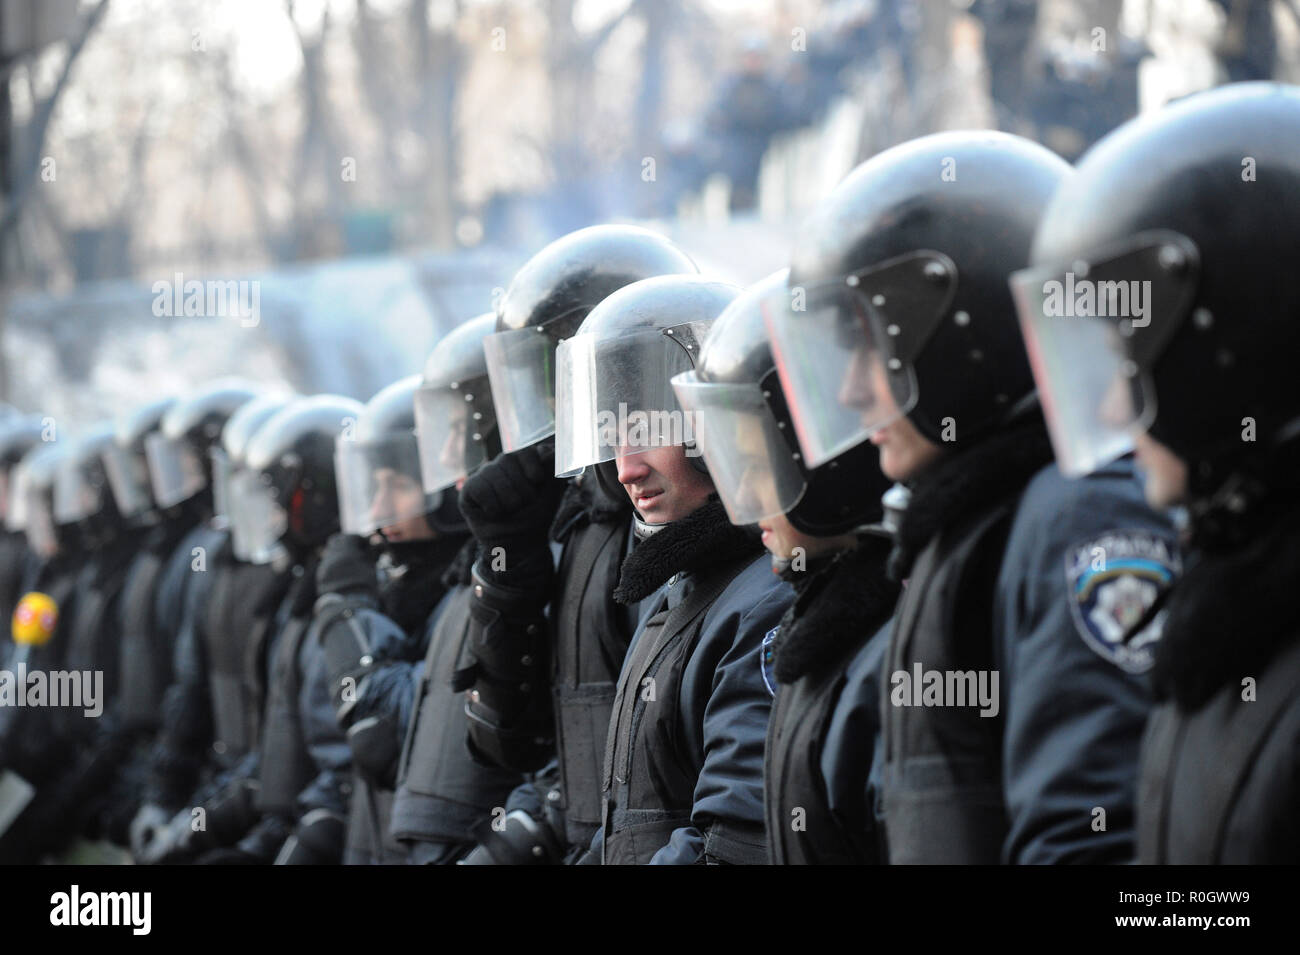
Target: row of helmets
[921,286]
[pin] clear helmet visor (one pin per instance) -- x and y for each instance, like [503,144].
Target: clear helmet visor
[451,428]
[379,483]
[128,477]
[753,466]
[38,523]
[521,368]
[614,396]
[257,520]
[838,375]
[78,492]
[1092,330]
[19,505]
[222,471]
[175,469]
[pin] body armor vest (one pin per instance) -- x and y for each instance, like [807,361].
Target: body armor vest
[146,659]
[796,738]
[95,628]
[286,765]
[1215,783]
[235,625]
[648,785]
[942,785]
[442,791]
[591,639]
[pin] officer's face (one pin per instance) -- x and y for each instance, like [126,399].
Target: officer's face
[904,451]
[400,494]
[1165,473]
[783,540]
[663,484]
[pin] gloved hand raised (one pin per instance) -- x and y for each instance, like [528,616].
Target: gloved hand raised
[347,565]
[511,501]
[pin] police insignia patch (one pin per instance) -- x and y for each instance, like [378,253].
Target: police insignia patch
[767,656]
[1112,580]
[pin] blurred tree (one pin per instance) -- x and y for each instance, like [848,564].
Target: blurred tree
[21,147]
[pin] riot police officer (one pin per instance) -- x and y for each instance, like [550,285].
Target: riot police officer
[77,799]
[1193,210]
[376,615]
[822,527]
[30,747]
[682,773]
[289,497]
[541,686]
[168,578]
[1019,583]
[206,755]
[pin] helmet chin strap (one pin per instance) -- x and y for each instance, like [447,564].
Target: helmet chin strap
[642,529]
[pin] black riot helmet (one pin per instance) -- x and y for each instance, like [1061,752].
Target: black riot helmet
[547,300]
[127,461]
[228,457]
[286,493]
[82,495]
[19,435]
[614,376]
[178,452]
[898,300]
[377,465]
[455,417]
[745,431]
[1163,295]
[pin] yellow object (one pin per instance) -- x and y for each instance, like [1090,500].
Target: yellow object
[35,618]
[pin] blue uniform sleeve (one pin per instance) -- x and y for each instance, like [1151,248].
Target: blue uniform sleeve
[389,690]
[1084,559]
[726,673]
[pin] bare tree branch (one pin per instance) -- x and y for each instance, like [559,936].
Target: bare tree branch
[26,169]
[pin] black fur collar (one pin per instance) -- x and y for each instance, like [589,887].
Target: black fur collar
[702,539]
[968,480]
[1229,613]
[413,586]
[840,606]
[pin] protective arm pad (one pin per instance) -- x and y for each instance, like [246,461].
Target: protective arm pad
[517,839]
[349,652]
[376,746]
[510,645]
[525,747]
[317,840]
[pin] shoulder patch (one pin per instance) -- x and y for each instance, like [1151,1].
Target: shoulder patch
[1111,581]
[767,660]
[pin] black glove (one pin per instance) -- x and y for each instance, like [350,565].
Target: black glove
[511,501]
[347,565]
